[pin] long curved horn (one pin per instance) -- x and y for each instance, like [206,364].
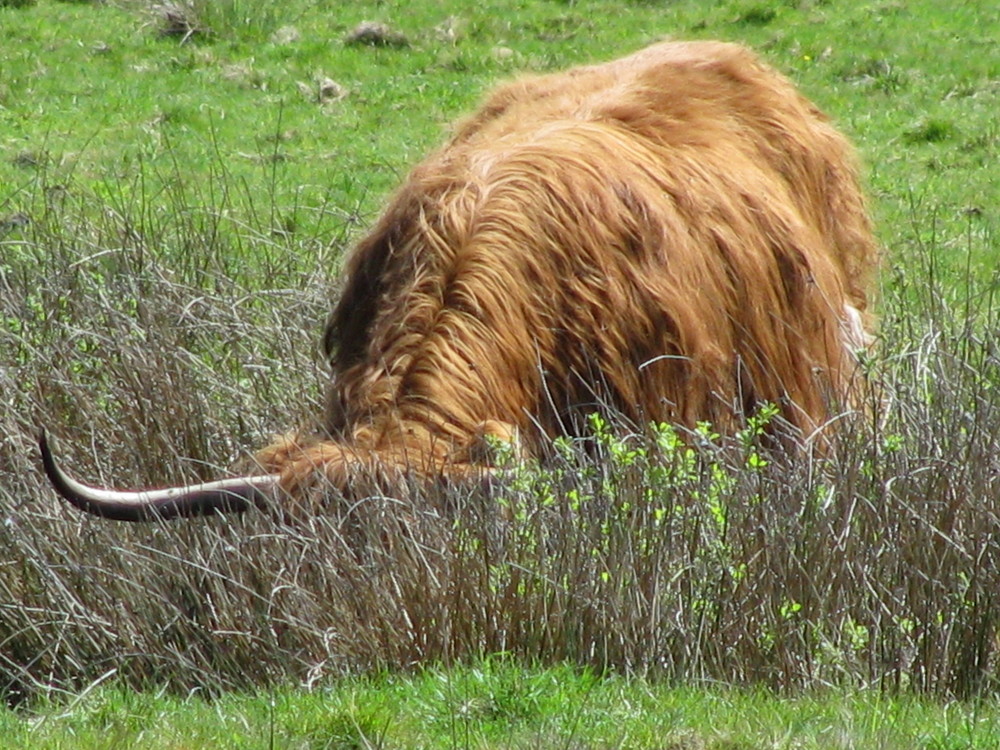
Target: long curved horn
[225,496]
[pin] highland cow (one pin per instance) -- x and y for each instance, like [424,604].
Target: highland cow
[676,236]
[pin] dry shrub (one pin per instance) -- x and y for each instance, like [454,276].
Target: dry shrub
[180,19]
[187,20]
[374,34]
[634,550]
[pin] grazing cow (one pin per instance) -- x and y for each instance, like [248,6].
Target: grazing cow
[677,235]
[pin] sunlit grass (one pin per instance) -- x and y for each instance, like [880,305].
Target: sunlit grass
[92,93]
[496,706]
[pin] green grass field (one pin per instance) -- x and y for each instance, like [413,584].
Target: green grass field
[178,183]
[93,99]
[497,706]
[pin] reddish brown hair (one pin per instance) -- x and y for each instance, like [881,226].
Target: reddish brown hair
[677,235]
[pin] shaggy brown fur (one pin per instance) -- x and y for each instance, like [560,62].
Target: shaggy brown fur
[677,235]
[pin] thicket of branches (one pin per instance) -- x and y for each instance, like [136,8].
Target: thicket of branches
[155,352]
